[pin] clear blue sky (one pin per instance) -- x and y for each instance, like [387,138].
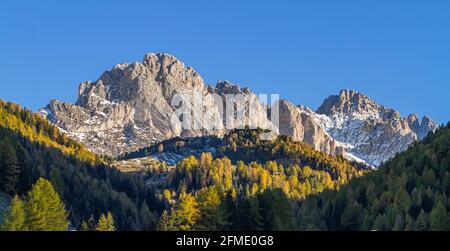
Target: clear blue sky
[397,52]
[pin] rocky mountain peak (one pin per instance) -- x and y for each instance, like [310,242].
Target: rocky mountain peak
[426,125]
[348,102]
[159,59]
[421,127]
[130,82]
[129,106]
[226,87]
[368,130]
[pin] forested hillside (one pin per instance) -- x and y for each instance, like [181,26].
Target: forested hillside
[215,194]
[251,185]
[245,184]
[31,148]
[410,192]
[38,130]
[248,172]
[246,145]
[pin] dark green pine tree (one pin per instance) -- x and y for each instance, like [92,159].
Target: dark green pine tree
[147,219]
[26,178]
[421,222]
[351,217]
[399,224]
[381,223]
[439,219]
[248,216]
[9,168]
[276,210]
[226,212]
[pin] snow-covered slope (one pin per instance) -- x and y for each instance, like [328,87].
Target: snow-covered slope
[368,131]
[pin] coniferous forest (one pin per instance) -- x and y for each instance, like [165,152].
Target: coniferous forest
[410,192]
[50,182]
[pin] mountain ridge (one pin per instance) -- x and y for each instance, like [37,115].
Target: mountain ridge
[129,108]
[368,130]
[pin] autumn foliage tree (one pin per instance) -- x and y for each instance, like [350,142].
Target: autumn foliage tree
[106,223]
[42,210]
[14,219]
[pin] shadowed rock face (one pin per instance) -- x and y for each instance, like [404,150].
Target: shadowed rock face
[129,107]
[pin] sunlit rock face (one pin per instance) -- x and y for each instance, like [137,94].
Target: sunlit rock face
[301,124]
[132,106]
[368,131]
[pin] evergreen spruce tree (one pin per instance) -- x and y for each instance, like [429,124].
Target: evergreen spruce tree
[248,216]
[381,223]
[421,222]
[409,223]
[146,218]
[25,178]
[9,168]
[399,224]
[439,219]
[350,218]
[276,210]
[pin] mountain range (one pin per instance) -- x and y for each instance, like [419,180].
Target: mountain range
[129,108]
[221,178]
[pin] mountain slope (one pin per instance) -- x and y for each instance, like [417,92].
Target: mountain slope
[31,148]
[36,129]
[410,192]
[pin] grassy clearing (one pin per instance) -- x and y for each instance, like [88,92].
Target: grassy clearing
[139,164]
